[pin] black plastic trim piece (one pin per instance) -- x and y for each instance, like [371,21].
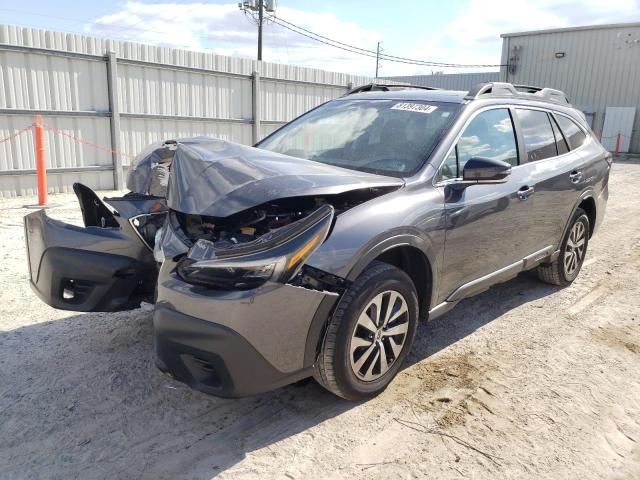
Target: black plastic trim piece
[385,87]
[94,212]
[86,281]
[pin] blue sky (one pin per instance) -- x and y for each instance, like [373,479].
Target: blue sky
[454,31]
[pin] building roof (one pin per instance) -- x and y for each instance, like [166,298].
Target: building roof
[572,29]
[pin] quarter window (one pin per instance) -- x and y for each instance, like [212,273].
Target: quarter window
[539,141]
[489,135]
[561,143]
[575,136]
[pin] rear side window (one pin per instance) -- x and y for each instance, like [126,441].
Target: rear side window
[489,135]
[574,134]
[539,141]
[561,142]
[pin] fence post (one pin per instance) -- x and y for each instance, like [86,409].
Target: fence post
[255,106]
[114,107]
[618,143]
[41,161]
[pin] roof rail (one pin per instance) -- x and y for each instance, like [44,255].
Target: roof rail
[385,87]
[522,91]
[527,88]
[493,88]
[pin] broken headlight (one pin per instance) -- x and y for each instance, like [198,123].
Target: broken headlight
[147,226]
[158,251]
[276,256]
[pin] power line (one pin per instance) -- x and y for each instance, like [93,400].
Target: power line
[373,53]
[363,51]
[321,41]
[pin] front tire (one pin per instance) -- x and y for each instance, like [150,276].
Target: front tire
[370,333]
[564,269]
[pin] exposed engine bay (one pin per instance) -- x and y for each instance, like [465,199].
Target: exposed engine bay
[251,224]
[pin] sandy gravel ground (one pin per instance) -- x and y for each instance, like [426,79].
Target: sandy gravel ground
[524,381]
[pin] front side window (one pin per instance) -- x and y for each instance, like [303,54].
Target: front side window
[381,136]
[539,142]
[489,135]
[575,136]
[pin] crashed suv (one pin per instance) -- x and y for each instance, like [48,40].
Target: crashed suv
[316,252]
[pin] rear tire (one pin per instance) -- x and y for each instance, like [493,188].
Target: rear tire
[565,269]
[370,333]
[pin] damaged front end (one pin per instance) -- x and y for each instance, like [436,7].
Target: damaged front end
[107,265]
[269,242]
[245,216]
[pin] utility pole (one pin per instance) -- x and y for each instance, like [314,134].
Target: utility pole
[255,9]
[260,13]
[378,59]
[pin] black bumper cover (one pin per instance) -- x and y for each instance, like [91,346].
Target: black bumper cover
[94,281]
[213,358]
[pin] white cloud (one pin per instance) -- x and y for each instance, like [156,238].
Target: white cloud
[484,22]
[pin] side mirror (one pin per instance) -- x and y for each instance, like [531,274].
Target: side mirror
[485,170]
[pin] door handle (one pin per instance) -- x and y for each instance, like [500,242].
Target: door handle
[575,176]
[525,192]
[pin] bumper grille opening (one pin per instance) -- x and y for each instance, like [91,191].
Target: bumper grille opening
[202,371]
[74,291]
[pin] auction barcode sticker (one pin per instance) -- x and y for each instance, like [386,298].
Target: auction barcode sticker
[414,107]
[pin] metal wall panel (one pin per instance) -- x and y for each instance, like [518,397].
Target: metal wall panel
[30,81]
[282,101]
[163,91]
[136,133]
[596,67]
[61,150]
[450,81]
[21,185]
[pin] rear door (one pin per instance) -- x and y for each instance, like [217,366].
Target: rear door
[107,265]
[557,172]
[485,223]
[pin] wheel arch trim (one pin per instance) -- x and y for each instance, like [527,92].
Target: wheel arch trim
[371,252]
[587,194]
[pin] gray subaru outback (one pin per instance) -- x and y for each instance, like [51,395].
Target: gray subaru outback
[316,252]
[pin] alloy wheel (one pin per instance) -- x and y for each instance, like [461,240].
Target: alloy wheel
[379,335]
[574,250]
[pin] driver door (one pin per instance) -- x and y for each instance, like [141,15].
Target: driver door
[486,224]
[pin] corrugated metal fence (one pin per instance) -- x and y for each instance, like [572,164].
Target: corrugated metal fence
[124,95]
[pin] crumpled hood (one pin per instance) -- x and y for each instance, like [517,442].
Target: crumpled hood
[219,178]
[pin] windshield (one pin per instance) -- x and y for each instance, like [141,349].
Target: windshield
[382,136]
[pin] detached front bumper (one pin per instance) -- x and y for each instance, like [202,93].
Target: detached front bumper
[86,268]
[237,343]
